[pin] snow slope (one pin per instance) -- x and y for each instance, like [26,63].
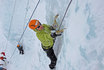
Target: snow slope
[81,43]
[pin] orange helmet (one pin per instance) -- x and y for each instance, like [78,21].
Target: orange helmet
[18,45]
[33,24]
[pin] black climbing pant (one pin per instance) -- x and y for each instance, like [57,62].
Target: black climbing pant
[21,51]
[50,54]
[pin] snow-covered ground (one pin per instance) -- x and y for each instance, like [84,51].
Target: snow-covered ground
[82,41]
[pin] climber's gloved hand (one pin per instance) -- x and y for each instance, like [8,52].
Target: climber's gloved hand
[54,35]
[51,28]
[57,33]
[60,31]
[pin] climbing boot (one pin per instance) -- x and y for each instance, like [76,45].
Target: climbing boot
[52,64]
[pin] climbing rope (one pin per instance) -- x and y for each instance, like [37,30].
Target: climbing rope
[29,21]
[65,14]
[25,28]
[11,21]
[12,54]
[25,15]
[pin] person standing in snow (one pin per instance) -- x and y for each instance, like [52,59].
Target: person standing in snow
[3,61]
[3,57]
[43,33]
[1,68]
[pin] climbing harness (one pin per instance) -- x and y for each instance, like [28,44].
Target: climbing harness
[64,14]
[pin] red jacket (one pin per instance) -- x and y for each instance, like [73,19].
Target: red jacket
[2,58]
[3,53]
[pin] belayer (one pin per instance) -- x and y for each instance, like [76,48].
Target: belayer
[3,57]
[3,61]
[43,33]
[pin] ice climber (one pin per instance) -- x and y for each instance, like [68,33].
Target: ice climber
[20,48]
[43,33]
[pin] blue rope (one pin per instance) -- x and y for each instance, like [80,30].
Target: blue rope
[29,21]
[25,28]
[11,21]
[64,14]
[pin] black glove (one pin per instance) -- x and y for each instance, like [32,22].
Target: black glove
[51,28]
[54,35]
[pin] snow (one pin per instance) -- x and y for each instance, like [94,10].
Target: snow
[81,45]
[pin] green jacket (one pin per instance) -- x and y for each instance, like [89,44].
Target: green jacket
[45,36]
